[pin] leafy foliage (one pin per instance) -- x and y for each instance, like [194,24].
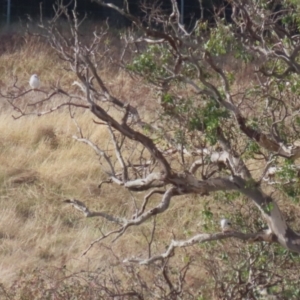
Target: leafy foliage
[151,62]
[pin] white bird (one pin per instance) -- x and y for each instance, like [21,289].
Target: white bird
[34,81]
[226,225]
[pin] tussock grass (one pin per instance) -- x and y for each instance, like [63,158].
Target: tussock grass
[41,165]
[37,229]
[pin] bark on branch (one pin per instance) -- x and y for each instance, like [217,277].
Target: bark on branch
[202,238]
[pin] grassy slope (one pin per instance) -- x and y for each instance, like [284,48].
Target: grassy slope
[40,165]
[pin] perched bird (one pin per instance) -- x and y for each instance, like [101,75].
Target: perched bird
[34,81]
[226,225]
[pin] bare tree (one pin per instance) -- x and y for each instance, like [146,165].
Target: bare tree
[218,131]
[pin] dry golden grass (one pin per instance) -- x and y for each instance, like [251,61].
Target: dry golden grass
[36,228]
[41,165]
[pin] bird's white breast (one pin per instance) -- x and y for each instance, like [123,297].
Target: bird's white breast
[34,81]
